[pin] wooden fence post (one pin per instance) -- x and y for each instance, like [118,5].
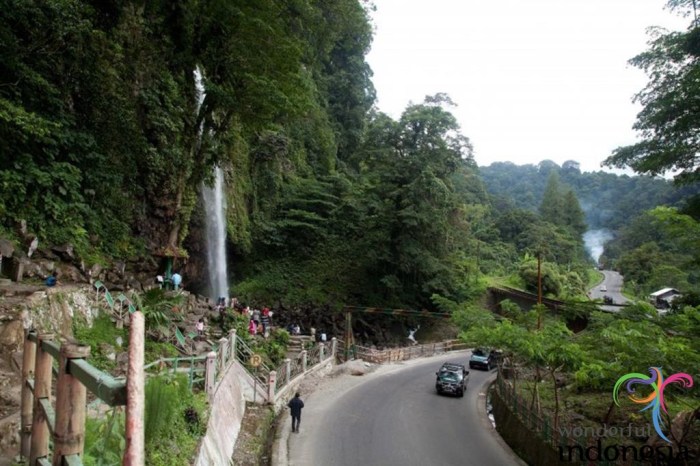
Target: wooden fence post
[71,402]
[39,445]
[210,374]
[28,362]
[136,394]
[334,346]
[321,351]
[304,360]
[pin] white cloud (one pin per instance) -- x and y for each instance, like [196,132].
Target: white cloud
[533,79]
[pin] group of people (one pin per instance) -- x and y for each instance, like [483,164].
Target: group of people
[260,321]
[174,281]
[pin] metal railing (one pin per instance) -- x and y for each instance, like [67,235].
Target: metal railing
[243,355]
[193,366]
[307,359]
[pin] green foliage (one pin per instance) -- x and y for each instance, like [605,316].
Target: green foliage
[175,418]
[160,309]
[657,250]
[561,207]
[556,282]
[100,336]
[608,200]
[104,439]
[667,122]
[157,349]
[273,349]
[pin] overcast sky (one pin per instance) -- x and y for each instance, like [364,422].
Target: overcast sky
[533,79]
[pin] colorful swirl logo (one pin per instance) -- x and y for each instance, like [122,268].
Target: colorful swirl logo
[655,399]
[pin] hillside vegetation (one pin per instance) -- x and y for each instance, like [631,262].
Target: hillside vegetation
[330,202]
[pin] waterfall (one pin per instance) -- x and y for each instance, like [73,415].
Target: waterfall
[215,218]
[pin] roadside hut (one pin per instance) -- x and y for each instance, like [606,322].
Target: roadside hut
[663,298]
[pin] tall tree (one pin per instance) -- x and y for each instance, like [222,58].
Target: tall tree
[552,207]
[670,118]
[573,217]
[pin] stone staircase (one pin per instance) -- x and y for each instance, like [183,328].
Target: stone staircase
[297,343]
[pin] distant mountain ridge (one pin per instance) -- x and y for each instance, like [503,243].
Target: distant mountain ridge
[608,200]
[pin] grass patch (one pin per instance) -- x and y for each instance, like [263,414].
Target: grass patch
[593,278]
[102,338]
[175,420]
[157,349]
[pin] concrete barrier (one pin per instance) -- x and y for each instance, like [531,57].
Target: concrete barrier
[226,415]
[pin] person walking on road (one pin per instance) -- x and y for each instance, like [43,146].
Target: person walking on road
[295,405]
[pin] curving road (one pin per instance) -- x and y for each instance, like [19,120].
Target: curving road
[612,282]
[396,418]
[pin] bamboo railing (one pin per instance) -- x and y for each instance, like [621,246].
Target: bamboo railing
[62,422]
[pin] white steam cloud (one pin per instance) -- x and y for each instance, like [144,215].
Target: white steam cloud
[595,242]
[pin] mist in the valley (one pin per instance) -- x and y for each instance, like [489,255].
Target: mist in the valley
[595,240]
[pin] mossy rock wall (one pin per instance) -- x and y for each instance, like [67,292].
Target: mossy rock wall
[48,311]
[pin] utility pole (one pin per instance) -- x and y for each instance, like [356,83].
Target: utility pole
[348,334]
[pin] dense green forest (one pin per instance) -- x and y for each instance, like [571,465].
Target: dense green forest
[100,149]
[329,200]
[609,200]
[639,241]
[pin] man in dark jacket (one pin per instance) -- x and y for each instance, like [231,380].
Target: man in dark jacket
[295,405]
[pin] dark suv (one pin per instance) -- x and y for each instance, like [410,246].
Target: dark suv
[483,358]
[452,378]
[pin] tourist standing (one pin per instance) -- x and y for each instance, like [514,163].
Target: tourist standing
[177,280]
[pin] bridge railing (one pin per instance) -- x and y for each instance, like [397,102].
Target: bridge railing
[62,423]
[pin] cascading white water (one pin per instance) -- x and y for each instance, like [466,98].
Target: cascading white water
[215,220]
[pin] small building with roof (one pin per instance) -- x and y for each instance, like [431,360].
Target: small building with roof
[663,298]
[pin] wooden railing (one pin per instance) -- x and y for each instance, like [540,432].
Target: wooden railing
[63,422]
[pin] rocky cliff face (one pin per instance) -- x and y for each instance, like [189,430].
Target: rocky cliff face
[24,307]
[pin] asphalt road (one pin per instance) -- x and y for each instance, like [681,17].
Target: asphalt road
[395,417]
[613,284]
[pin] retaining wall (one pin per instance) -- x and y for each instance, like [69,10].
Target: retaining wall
[227,408]
[521,439]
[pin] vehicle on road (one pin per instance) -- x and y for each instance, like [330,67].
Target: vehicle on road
[603,288]
[483,358]
[452,378]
